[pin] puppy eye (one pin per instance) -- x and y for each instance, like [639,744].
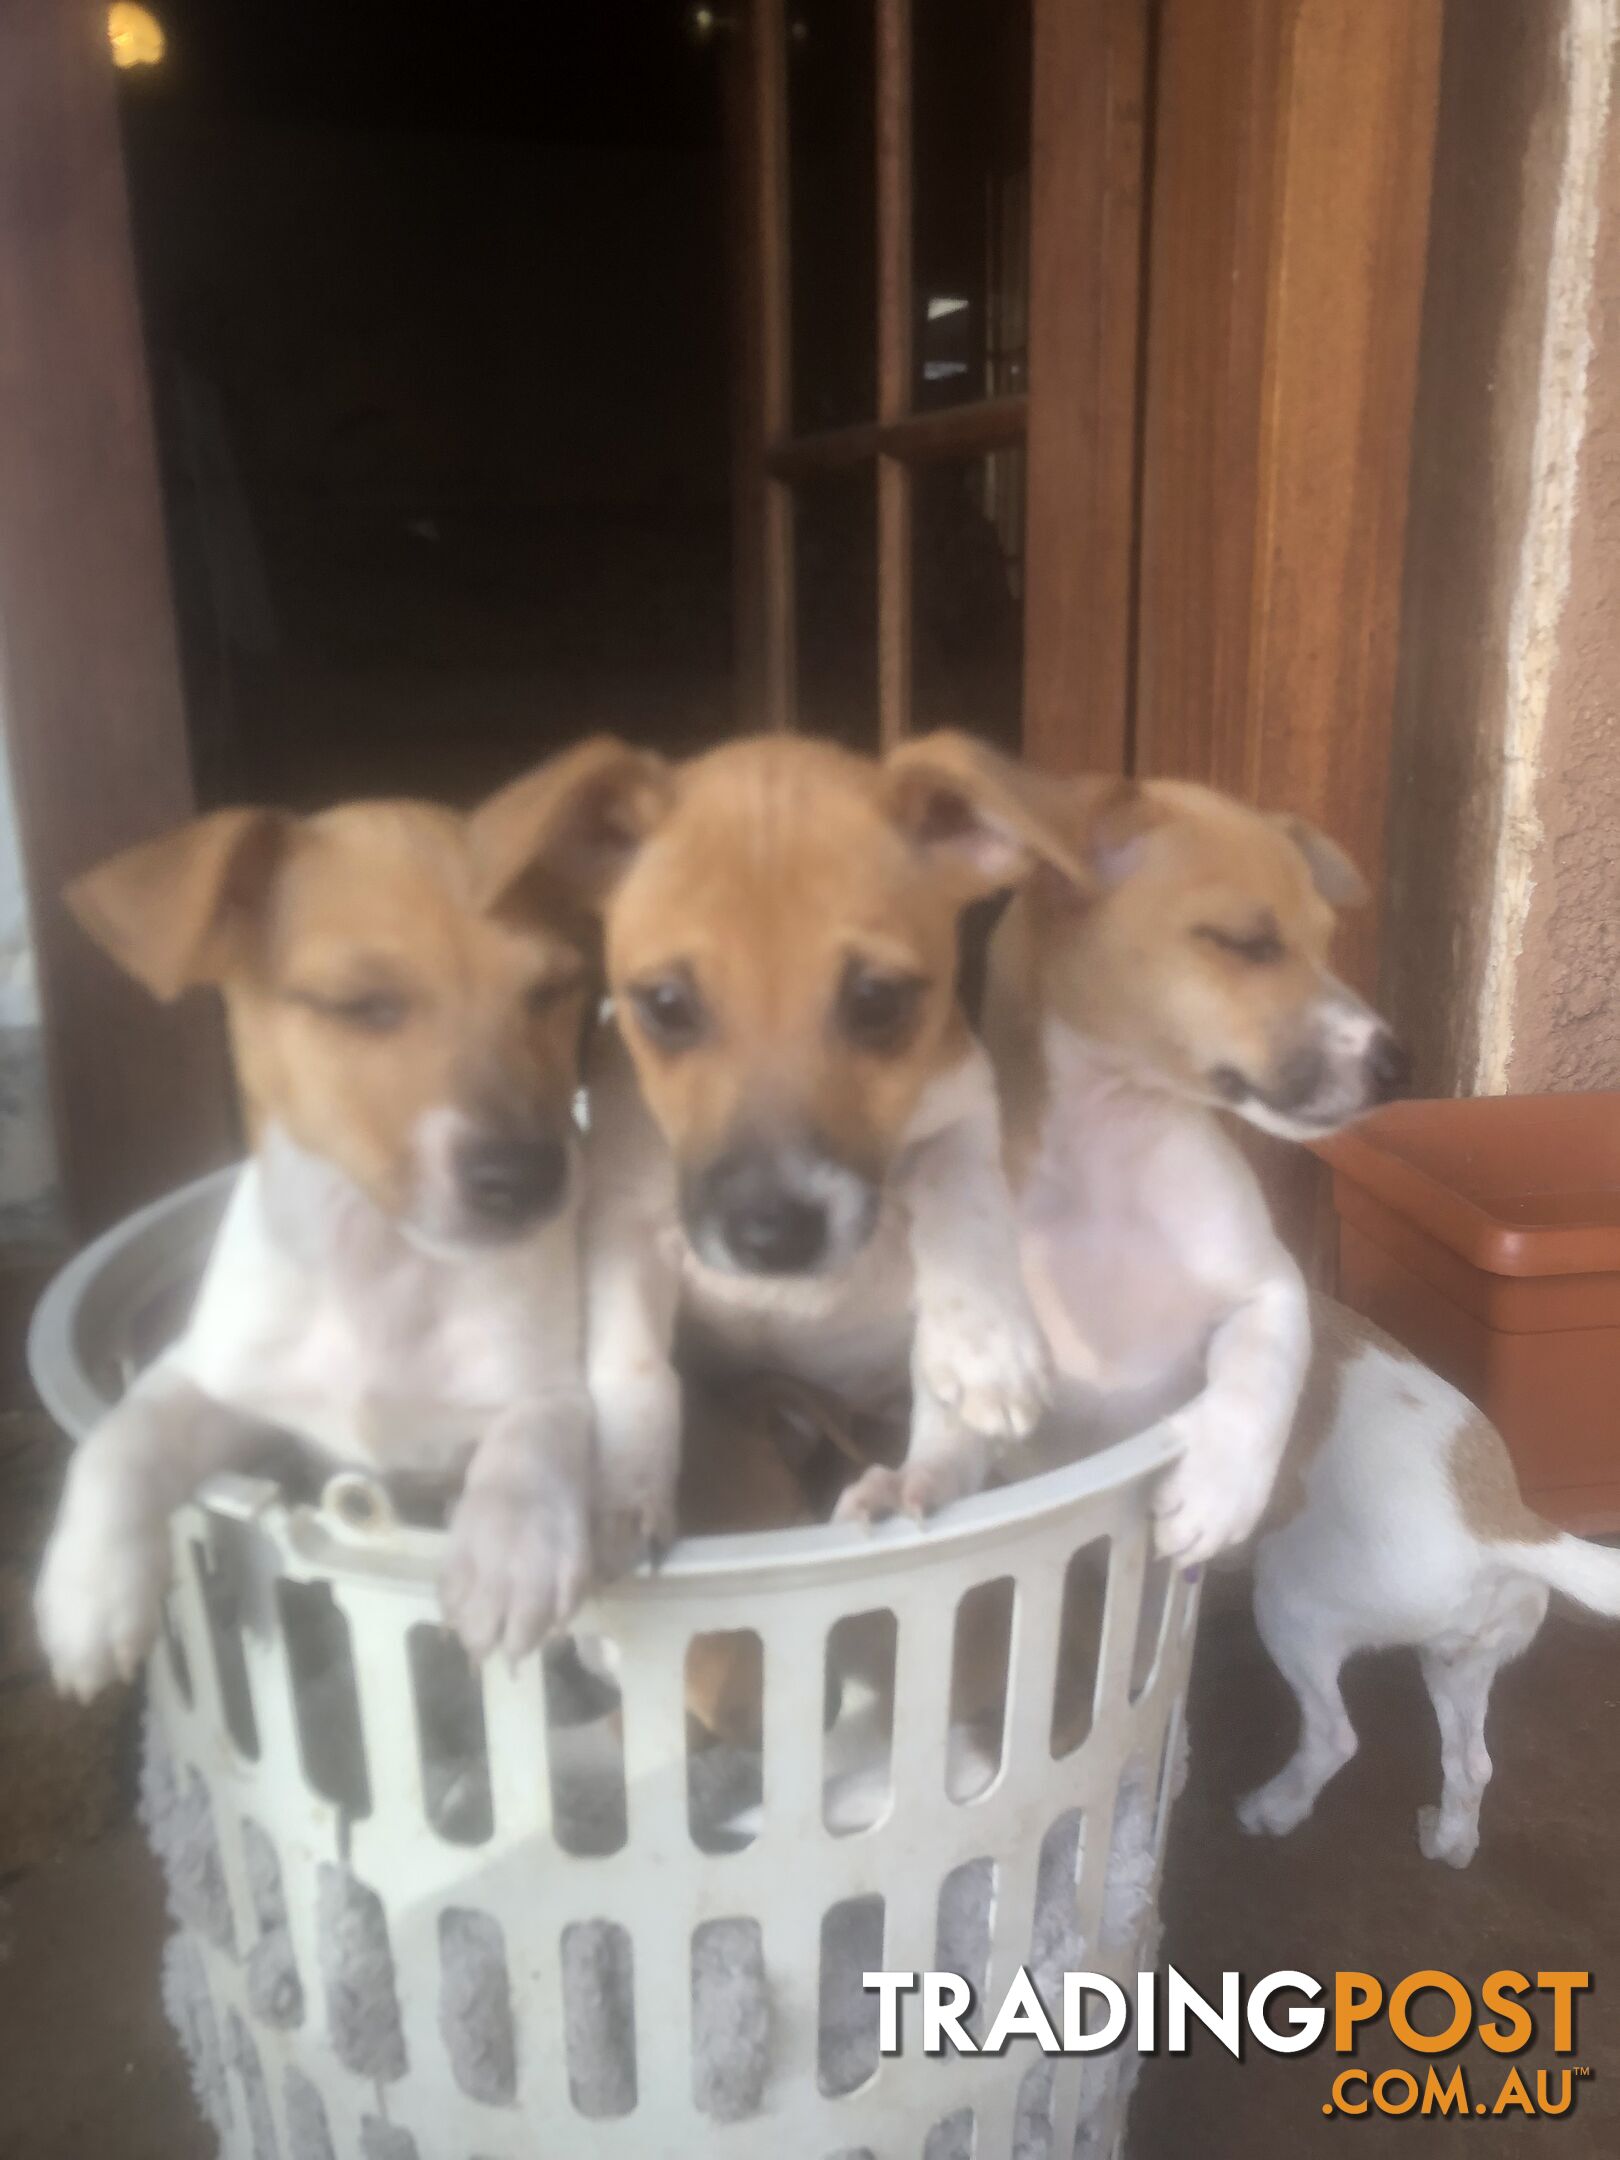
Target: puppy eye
[878,1011]
[369,1012]
[1260,948]
[545,996]
[669,1011]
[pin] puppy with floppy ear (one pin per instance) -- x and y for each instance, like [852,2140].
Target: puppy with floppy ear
[395,1279]
[1191,978]
[1194,980]
[794,1149]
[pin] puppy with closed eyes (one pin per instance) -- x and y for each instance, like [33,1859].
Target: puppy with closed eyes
[395,1280]
[794,1154]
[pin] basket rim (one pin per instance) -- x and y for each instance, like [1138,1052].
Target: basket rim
[411,1556]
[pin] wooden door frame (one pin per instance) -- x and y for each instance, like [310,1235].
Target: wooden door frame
[89,669]
[1292,138]
[1089,142]
[1294,147]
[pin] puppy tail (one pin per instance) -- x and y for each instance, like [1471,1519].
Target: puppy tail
[1590,1574]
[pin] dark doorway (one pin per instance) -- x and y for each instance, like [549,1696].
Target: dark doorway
[435,314]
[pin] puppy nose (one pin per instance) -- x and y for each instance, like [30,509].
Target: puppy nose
[765,1219]
[1389,1066]
[775,1233]
[511,1182]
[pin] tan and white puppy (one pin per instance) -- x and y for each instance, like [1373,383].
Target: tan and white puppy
[795,1149]
[1193,980]
[1122,1025]
[395,1279]
[1398,1522]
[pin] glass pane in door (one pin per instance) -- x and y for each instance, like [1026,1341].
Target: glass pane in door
[971,90]
[968,596]
[832,195]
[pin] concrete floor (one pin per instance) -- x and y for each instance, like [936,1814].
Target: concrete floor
[90,2072]
[1350,1891]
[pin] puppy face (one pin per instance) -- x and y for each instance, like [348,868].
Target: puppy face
[781,951]
[381,1012]
[1205,960]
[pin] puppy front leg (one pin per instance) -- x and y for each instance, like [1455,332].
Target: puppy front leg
[520,1535]
[978,1350]
[100,1595]
[632,1294]
[1236,1430]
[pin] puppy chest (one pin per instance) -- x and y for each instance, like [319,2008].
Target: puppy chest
[849,1331]
[1107,1271]
[367,1387]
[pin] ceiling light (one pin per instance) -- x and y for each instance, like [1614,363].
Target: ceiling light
[135,35]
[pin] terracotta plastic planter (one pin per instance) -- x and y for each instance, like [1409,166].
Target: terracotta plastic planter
[1485,1235]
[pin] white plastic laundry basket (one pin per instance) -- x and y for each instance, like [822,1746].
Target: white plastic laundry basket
[431,1914]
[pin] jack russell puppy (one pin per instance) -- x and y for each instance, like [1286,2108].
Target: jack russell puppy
[395,1278]
[1191,980]
[795,1152]
[1195,982]
[1398,1521]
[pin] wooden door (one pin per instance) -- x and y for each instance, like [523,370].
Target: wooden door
[1182,418]
[1293,150]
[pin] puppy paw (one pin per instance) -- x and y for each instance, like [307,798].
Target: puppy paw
[518,1566]
[636,1516]
[1272,1810]
[1454,1843]
[1214,1496]
[987,1364]
[99,1605]
[872,1497]
[638,1462]
[914,1489]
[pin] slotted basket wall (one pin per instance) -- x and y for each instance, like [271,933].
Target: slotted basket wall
[323,1815]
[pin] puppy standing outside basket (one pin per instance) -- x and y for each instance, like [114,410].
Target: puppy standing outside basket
[1191,979]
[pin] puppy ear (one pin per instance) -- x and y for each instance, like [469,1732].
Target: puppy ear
[569,829]
[181,910]
[1120,813]
[1333,874]
[983,818]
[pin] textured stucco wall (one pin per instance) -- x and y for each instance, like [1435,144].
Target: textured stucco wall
[1498,152]
[1501,900]
[1565,1017]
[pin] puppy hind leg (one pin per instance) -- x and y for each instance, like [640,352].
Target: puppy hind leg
[1459,1678]
[1310,1659]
